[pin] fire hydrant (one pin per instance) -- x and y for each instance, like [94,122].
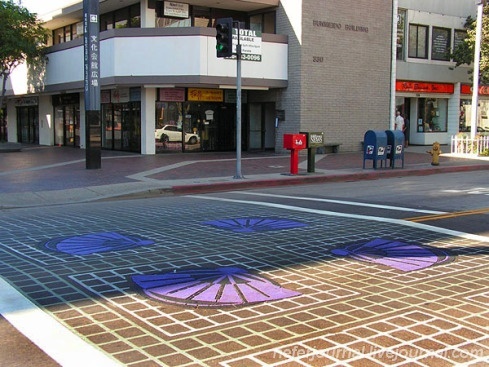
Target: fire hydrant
[435,154]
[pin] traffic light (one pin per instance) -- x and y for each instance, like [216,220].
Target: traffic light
[224,37]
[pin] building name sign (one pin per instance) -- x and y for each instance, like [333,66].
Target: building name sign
[340,26]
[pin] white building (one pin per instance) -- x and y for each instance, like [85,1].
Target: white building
[326,66]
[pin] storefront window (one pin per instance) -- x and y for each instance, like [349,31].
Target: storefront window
[466,116]
[175,123]
[432,115]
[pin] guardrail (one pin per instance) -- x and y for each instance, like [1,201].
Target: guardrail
[461,144]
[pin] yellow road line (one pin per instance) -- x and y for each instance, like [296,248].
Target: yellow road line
[448,215]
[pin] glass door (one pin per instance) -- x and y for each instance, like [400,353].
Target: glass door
[69,126]
[28,125]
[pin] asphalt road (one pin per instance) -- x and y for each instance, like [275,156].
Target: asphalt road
[274,231]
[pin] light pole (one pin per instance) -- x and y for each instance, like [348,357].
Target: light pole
[477,58]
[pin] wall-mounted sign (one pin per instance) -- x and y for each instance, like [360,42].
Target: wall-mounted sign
[467,89]
[120,95]
[205,95]
[105,96]
[176,10]
[66,99]
[231,97]
[26,101]
[422,87]
[172,95]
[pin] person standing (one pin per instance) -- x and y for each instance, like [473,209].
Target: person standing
[399,122]
[406,132]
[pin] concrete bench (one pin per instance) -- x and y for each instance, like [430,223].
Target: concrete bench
[335,148]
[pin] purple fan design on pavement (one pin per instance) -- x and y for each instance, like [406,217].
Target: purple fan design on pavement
[249,225]
[398,255]
[224,286]
[94,243]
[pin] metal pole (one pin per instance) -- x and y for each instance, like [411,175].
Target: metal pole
[238,108]
[392,109]
[477,57]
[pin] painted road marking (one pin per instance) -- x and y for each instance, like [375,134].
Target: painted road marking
[448,215]
[474,191]
[402,222]
[66,348]
[343,202]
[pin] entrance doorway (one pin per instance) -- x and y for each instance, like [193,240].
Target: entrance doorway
[28,124]
[67,125]
[121,126]
[262,128]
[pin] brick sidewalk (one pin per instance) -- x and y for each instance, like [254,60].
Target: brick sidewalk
[34,175]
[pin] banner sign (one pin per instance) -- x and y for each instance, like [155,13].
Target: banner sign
[250,41]
[91,43]
[467,89]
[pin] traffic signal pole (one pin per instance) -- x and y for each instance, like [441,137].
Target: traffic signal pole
[238,175]
[224,48]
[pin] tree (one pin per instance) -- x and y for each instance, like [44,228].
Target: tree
[464,52]
[22,39]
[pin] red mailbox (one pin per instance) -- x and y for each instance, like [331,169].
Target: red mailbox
[294,143]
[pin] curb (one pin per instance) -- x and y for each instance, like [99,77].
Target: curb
[10,147]
[302,179]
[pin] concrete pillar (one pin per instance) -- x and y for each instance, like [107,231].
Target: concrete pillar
[148,16]
[148,111]
[46,121]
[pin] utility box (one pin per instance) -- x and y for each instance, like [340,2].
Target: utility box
[375,147]
[314,140]
[294,143]
[395,147]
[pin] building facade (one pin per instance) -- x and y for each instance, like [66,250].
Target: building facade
[323,66]
[433,95]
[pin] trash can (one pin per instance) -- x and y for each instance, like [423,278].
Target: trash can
[294,143]
[375,147]
[314,140]
[395,147]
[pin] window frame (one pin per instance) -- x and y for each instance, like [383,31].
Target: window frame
[418,49]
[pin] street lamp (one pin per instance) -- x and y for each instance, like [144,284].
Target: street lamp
[477,58]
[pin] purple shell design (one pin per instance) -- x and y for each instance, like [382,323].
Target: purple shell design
[223,286]
[398,255]
[95,243]
[249,225]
